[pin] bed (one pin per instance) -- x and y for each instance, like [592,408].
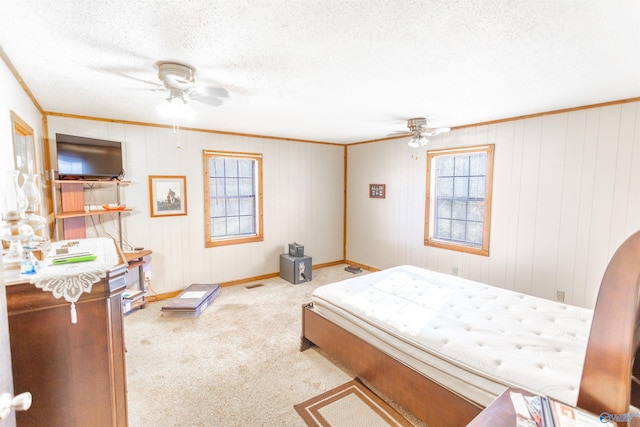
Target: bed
[444,347]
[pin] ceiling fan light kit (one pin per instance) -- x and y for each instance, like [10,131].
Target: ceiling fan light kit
[175,106]
[420,131]
[417,141]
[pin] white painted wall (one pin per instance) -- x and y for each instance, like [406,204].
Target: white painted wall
[566,194]
[303,201]
[13,98]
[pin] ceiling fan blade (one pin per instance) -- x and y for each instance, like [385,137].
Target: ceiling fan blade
[217,92]
[146,89]
[442,130]
[434,131]
[214,102]
[156,85]
[213,96]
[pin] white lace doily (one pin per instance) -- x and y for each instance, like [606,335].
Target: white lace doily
[69,281]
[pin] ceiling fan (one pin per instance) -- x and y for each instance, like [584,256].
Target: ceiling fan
[180,80]
[420,131]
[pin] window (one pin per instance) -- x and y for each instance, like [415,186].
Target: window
[24,150]
[233,198]
[458,210]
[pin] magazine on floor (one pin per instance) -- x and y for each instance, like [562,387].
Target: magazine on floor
[544,411]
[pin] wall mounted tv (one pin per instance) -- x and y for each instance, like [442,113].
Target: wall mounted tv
[88,158]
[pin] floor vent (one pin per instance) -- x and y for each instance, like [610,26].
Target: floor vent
[255,285]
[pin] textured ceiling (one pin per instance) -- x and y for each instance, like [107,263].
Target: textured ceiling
[326,70]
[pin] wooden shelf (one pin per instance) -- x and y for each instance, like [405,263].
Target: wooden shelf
[91,182]
[135,264]
[68,199]
[136,261]
[78,214]
[136,256]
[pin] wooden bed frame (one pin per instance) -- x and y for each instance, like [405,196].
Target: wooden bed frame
[607,383]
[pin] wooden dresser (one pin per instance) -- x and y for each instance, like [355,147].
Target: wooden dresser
[75,372]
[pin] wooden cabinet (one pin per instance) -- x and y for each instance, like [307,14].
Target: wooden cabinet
[499,413]
[70,206]
[75,372]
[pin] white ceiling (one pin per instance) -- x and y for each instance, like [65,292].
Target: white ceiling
[327,70]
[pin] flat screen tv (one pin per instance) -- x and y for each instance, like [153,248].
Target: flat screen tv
[88,158]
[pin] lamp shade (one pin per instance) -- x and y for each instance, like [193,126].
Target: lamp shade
[414,142]
[176,108]
[417,140]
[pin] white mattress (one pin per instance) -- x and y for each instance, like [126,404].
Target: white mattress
[472,338]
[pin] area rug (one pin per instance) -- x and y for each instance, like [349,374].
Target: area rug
[349,405]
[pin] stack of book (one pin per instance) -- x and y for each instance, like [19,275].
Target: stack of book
[132,299]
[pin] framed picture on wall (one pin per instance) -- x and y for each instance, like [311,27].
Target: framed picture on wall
[167,195]
[377,191]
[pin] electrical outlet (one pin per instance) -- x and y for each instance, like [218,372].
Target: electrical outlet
[454,271]
[560,296]
[147,276]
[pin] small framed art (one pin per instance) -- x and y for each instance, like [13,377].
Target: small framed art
[167,195]
[377,191]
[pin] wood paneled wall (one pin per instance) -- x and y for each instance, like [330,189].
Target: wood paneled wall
[303,201]
[566,194]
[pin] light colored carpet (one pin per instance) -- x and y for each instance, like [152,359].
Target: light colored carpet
[349,405]
[237,364]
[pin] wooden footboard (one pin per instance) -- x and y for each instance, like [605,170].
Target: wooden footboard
[429,401]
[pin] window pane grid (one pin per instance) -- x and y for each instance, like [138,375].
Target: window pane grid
[460,188]
[232,198]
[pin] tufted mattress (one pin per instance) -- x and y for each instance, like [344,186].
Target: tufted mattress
[471,338]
